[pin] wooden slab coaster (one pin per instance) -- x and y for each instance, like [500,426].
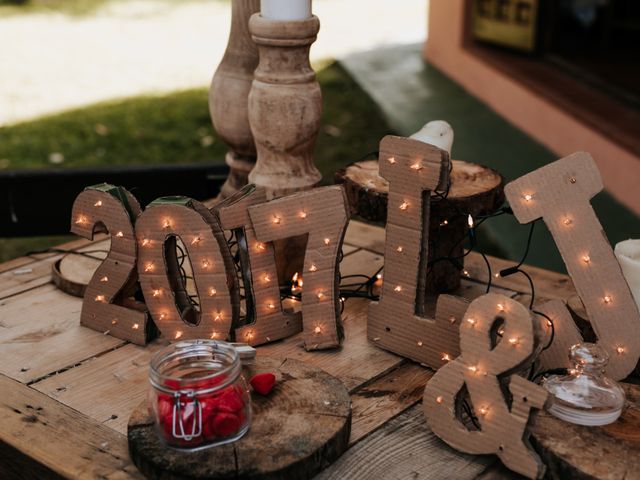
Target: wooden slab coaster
[323,215]
[267,321]
[578,452]
[498,336]
[165,291]
[112,209]
[298,430]
[560,194]
[73,272]
[473,189]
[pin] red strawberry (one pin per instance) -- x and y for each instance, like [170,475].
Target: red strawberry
[226,424]
[263,383]
[230,400]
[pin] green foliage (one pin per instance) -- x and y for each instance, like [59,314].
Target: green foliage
[175,129]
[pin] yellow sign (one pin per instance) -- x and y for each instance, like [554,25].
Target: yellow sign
[512,23]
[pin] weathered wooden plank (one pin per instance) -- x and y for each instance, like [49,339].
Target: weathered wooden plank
[375,403]
[27,273]
[40,438]
[405,448]
[40,333]
[364,235]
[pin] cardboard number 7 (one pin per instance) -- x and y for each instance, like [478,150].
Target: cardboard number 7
[323,214]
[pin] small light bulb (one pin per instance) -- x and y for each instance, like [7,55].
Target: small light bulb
[445,357]
[212,292]
[472,368]
[163,316]
[466,273]
[317,330]
[271,306]
[567,221]
[327,241]
[100,298]
[303,214]
[452,319]
[166,223]
[501,331]
[549,323]
[214,335]
[586,259]
[178,334]
[249,335]
[444,223]
[496,275]
[379,276]
[157,292]
[404,206]
[483,410]
[439,399]
[528,197]
[313,267]
[266,278]
[471,321]
[276,220]
[620,349]
[98,203]
[500,307]
[196,241]
[514,341]
[320,295]
[419,343]
[573,179]
[146,242]
[399,249]
[470,221]
[135,326]
[119,234]
[114,321]
[398,288]
[417,167]
[206,264]
[81,220]
[391,160]
[149,267]
[261,247]
[607,299]
[217,317]
[104,279]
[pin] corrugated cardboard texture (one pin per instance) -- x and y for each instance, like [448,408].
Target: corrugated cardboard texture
[559,193]
[503,429]
[115,281]
[213,270]
[270,322]
[323,214]
[396,322]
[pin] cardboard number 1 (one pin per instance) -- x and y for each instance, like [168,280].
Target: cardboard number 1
[108,305]
[559,193]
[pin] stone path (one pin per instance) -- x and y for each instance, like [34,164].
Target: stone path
[51,62]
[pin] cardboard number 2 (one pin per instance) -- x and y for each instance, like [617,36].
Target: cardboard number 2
[107,305]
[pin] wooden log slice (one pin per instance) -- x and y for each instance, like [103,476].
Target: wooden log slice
[474,189]
[608,452]
[73,272]
[298,430]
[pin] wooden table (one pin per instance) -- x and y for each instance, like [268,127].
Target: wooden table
[67,391]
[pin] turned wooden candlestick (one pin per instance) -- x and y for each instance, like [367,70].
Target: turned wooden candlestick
[474,189]
[229,96]
[285,104]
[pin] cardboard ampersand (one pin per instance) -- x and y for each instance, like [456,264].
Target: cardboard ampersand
[560,194]
[481,368]
[108,304]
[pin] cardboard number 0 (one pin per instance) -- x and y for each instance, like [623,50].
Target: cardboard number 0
[165,291]
[107,305]
[323,214]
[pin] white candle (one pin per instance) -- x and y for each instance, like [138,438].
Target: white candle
[285,10]
[438,133]
[628,253]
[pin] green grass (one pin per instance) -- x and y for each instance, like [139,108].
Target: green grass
[174,129]
[68,7]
